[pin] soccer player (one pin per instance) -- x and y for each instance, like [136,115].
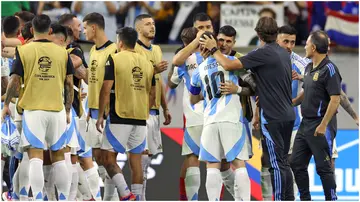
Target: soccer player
[145,27]
[202,22]
[226,42]
[320,100]
[132,76]
[194,115]
[80,75]
[222,135]
[272,68]
[94,26]
[44,120]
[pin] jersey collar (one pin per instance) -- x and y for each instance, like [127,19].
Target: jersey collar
[143,45]
[41,40]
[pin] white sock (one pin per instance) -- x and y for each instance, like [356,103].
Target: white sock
[145,163]
[192,183]
[36,178]
[296,189]
[74,183]
[137,189]
[109,189]
[242,185]
[83,187]
[62,182]
[266,185]
[49,185]
[92,177]
[16,188]
[24,176]
[121,185]
[102,172]
[69,165]
[213,184]
[228,178]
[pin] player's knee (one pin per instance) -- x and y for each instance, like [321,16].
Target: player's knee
[192,160]
[224,165]
[237,163]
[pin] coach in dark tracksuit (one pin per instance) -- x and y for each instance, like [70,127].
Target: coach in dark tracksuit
[271,66]
[320,100]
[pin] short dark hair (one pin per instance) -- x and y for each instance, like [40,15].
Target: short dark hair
[11,26]
[26,31]
[25,16]
[127,35]
[228,30]
[188,34]
[320,39]
[267,29]
[41,23]
[141,17]
[59,29]
[201,17]
[95,18]
[70,33]
[287,29]
[65,18]
[268,10]
[209,34]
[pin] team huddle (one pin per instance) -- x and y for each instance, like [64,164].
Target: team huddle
[123,100]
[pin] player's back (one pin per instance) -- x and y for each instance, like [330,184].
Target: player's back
[219,108]
[194,114]
[45,68]
[133,76]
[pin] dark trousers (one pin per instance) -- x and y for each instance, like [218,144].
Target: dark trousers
[306,145]
[276,144]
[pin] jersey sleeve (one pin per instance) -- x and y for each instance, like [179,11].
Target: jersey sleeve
[178,74]
[109,69]
[332,80]
[195,84]
[255,59]
[5,71]
[17,66]
[69,66]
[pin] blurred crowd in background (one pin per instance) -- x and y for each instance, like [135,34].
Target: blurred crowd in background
[172,17]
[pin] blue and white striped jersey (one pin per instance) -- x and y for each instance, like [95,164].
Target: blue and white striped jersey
[194,114]
[206,79]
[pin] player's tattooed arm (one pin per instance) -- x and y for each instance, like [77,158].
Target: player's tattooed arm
[4,84]
[345,103]
[297,101]
[13,88]
[69,92]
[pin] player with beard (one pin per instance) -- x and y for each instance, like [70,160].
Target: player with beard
[145,27]
[94,26]
[80,76]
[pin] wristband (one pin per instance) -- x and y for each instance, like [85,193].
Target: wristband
[213,50]
[239,89]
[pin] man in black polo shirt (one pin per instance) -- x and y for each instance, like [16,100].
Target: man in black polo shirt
[320,100]
[272,68]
